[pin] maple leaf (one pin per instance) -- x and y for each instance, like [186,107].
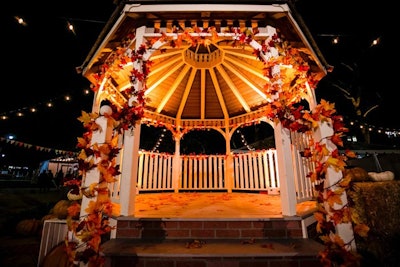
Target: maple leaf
[81,142]
[345,181]
[337,216]
[361,230]
[333,199]
[350,153]
[336,139]
[74,209]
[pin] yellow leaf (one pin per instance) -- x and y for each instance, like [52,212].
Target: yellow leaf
[334,199]
[361,229]
[85,118]
[114,141]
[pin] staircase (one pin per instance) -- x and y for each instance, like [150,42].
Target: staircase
[222,242]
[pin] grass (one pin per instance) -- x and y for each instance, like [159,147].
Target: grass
[17,204]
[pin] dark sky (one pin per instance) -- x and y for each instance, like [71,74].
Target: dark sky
[40,60]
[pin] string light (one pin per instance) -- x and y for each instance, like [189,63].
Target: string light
[243,139]
[71,27]
[160,139]
[21,21]
[49,104]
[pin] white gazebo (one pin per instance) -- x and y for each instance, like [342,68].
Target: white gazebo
[198,85]
[204,67]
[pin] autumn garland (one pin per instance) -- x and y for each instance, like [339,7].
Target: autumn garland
[286,88]
[285,110]
[93,228]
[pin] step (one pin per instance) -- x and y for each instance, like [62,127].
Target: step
[211,253]
[209,228]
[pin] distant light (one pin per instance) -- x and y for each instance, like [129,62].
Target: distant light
[71,27]
[20,21]
[11,137]
[375,42]
[20,114]
[33,110]
[67,98]
[49,104]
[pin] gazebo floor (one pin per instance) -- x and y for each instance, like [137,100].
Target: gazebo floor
[214,205]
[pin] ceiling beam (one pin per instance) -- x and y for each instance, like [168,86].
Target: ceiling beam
[234,89]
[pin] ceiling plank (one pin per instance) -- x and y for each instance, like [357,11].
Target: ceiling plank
[246,80]
[163,78]
[233,87]
[219,93]
[188,87]
[171,90]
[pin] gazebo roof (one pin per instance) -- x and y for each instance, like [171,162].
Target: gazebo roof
[214,85]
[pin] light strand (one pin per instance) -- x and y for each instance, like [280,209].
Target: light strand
[20,112]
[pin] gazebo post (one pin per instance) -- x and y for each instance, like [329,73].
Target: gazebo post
[129,170]
[285,170]
[228,161]
[176,164]
[332,178]
[101,136]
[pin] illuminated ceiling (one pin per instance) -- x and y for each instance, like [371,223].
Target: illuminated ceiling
[201,86]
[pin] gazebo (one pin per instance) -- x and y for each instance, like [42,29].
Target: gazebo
[185,66]
[201,79]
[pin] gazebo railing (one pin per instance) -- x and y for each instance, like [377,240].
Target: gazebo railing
[203,172]
[255,170]
[251,171]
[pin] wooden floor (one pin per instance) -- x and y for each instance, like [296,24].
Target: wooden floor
[214,205]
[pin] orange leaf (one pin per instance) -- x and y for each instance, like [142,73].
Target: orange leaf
[361,229]
[334,199]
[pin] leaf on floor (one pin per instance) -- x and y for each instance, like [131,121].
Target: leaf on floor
[250,241]
[195,244]
[268,245]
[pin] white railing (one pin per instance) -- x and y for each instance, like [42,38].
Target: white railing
[256,170]
[251,171]
[203,172]
[54,232]
[154,171]
[303,166]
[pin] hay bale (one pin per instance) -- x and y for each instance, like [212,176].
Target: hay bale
[378,206]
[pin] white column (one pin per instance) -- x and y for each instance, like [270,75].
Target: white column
[285,170]
[101,136]
[332,177]
[129,170]
[228,161]
[177,163]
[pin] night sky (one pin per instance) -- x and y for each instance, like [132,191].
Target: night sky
[41,59]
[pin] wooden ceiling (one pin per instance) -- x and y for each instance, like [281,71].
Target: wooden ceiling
[217,85]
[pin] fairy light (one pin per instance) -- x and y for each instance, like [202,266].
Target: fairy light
[376,41]
[243,139]
[33,109]
[159,141]
[20,21]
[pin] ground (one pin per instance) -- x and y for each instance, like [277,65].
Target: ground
[16,204]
